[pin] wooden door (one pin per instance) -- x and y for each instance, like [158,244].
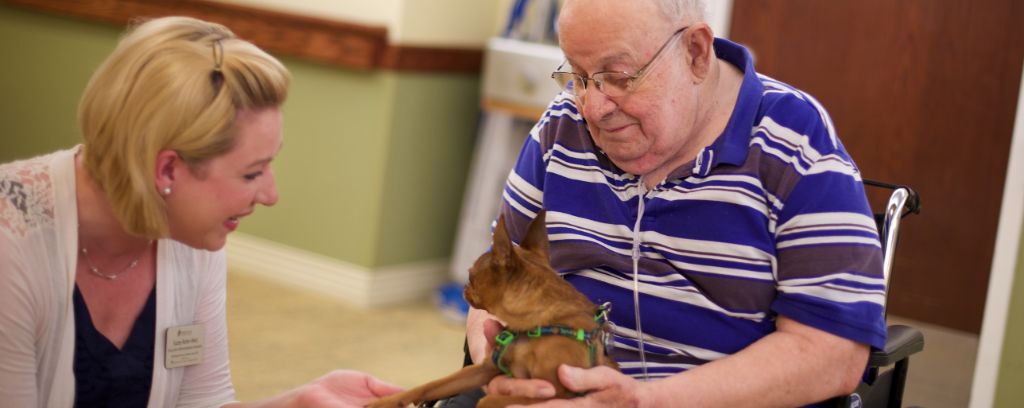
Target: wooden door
[922,92]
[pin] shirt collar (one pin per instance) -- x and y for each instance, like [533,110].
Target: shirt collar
[731,146]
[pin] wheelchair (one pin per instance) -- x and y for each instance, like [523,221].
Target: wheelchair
[886,374]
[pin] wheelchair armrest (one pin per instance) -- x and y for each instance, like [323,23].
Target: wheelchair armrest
[901,342]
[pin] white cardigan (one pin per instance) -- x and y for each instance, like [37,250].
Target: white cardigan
[38,251]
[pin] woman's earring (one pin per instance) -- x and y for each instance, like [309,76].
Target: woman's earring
[166,191]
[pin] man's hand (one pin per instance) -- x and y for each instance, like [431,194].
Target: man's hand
[604,387]
[503,385]
[481,329]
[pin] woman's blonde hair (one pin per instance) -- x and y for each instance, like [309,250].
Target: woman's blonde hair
[172,83]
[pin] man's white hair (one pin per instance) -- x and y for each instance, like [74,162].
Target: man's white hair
[680,11]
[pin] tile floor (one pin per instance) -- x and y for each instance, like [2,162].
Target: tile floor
[941,375]
[281,338]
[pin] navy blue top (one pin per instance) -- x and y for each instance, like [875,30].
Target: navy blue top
[106,376]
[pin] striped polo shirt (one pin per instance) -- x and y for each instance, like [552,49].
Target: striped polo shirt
[769,219]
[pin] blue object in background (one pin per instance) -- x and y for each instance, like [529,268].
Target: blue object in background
[450,302]
[515,15]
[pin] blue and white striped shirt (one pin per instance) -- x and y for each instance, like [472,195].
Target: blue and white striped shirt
[769,219]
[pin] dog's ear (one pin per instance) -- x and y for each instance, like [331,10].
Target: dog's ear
[536,239]
[502,245]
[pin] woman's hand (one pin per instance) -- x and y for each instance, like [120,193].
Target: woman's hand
[343,389]
[336,389]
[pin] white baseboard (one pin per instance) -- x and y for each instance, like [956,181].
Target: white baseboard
[355,284]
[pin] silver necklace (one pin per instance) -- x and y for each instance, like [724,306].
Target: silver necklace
[96,271]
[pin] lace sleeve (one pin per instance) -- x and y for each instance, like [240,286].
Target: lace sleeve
[26,204]
[26,196]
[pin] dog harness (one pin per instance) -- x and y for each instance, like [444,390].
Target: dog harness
[507,337]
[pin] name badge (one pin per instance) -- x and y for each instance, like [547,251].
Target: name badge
[184,346]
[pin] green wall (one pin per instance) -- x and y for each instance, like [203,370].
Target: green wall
[46,64]
[336,131]
[373,166]
[1009,392]
[433,126]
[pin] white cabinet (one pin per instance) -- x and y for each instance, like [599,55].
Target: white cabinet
[516,88]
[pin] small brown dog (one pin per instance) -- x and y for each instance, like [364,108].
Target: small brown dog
[548,323]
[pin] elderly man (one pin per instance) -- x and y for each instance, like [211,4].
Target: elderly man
[713,206]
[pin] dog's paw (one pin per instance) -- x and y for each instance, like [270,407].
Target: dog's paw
[389,402]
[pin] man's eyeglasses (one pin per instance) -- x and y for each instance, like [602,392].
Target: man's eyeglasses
[610,83]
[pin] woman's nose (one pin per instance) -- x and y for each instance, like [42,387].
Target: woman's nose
[267,194]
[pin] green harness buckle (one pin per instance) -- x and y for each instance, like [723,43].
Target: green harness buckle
[504,338]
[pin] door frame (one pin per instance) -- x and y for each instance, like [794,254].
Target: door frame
[1004,264]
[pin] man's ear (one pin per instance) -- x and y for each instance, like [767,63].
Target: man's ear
[699,42]
[167,163]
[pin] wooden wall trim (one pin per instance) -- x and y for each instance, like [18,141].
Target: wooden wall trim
[337,43]
[432,59]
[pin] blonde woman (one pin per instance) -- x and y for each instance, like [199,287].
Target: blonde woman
[112,277]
